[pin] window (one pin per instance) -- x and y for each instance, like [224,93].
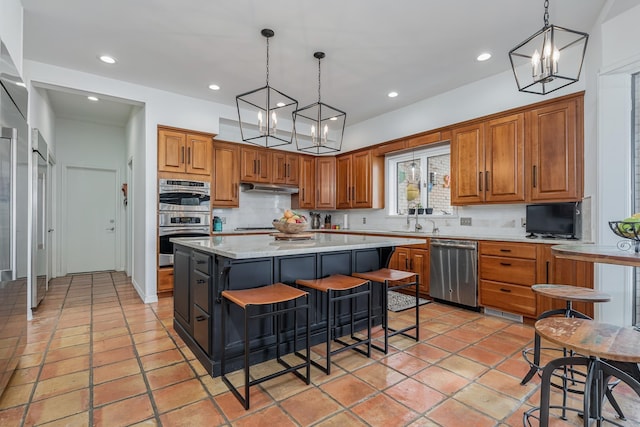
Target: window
[419,180]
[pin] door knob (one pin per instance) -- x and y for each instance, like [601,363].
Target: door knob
[110,229]
[50,230]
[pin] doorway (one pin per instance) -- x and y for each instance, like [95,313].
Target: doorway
[91,219]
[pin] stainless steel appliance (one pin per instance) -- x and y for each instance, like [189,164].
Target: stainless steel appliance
[39,182]
[184,195]
[14,178]
[179,224]
[454,271]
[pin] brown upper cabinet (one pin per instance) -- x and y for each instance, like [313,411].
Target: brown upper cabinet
[255,164]
[305,198]
[284,168]
[184,152]
[325,182]
[488,161]
[534,155]
[359,180]
[226,168]
[555,161]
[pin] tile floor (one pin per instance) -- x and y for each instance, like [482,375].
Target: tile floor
[97,356]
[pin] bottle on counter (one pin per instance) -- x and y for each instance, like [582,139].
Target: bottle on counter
[217,223]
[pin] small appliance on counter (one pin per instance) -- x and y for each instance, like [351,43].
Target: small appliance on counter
[217,223]
[327,221]
[315,220]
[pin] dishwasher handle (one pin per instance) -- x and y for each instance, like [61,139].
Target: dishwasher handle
[454,244]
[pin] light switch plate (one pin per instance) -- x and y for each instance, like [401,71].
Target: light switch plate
[465,220]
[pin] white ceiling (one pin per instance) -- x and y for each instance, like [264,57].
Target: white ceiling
[419,48]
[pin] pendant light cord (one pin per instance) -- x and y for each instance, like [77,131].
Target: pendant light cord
[319,59]
[267,61]
[546,13]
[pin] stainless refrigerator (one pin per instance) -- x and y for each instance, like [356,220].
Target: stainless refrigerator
[14,179]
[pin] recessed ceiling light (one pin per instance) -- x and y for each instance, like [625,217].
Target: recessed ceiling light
[280,104]
[107,59]
[392,94]
[214,87]
[92,98]
[483,56]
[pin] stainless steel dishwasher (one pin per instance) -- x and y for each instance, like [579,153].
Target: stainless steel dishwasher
[454,271]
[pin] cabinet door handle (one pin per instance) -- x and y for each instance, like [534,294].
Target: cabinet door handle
[235,189]
[189,155]
[200,281]
[479,181]
[506,264]
[505,290]
[200,318]
[303,199]
[411,265]
[486,180]
[181,154]
[318,195]
[535,176]
[505,250]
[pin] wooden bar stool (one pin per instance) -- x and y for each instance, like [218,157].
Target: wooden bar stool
[275,297]
[384,276]
[338,288]
[606,350]
[569,294]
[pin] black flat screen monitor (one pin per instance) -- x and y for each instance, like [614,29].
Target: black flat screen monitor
[552,219]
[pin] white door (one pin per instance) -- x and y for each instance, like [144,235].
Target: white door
[90,224]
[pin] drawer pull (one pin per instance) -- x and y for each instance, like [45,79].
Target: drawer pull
[505,290]
[505,250]
[201,281]
[200,261]
[506,264]
[200,318]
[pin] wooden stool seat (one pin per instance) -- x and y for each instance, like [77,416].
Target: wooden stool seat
[570,293]
[336,282]
[606,350]
[338,288]
[282,301]
[383,274]
[271,294]
[400,280]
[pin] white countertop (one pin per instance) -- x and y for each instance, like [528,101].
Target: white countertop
[422,236]
[261,245]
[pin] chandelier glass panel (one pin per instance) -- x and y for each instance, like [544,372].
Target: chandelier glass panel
[550,59]
[265,114]
[318,127]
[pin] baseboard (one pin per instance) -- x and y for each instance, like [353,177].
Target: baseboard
[503,314]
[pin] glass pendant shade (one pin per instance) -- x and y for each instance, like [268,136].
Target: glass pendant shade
[319,127]
[265,114]
[550,59]
[414,173]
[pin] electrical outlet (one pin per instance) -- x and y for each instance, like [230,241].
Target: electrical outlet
[364,219]
[223,219]
[523,222]
[465,220]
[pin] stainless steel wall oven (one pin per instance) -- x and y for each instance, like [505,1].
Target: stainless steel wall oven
[184,195]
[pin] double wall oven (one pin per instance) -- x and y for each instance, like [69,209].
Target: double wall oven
[184,210]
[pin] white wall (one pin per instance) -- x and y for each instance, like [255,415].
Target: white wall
[91,145]
[11,22]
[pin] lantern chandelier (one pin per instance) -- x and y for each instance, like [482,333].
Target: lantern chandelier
[550,59]
[265,113]
[318,127]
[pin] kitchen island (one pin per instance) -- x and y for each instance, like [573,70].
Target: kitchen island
[204,267]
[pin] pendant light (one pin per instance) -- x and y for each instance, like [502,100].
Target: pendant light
[319,128]
[265,113]
[550,59]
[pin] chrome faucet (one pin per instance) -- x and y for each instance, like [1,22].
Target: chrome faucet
[435,229]
[418,226]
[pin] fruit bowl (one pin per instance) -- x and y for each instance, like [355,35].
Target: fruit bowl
[290,227]
[627,230]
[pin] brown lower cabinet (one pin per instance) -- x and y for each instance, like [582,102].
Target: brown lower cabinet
[414,258]
[165,280]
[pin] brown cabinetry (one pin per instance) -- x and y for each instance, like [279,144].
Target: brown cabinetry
[226,168]
[563,272]
[325,185]
[507,271]
[413,258]
[305,198]
[255,165]
[555,161]
[488,161]
[284,168]
[184,152]
[359,181]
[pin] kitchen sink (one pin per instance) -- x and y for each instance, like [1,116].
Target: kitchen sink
[408,231]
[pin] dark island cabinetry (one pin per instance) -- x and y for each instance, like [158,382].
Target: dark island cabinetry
[200,277]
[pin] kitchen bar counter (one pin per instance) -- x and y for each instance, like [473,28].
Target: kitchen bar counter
[597,253]
[204,267]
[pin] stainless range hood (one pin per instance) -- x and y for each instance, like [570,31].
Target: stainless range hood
[268,188]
